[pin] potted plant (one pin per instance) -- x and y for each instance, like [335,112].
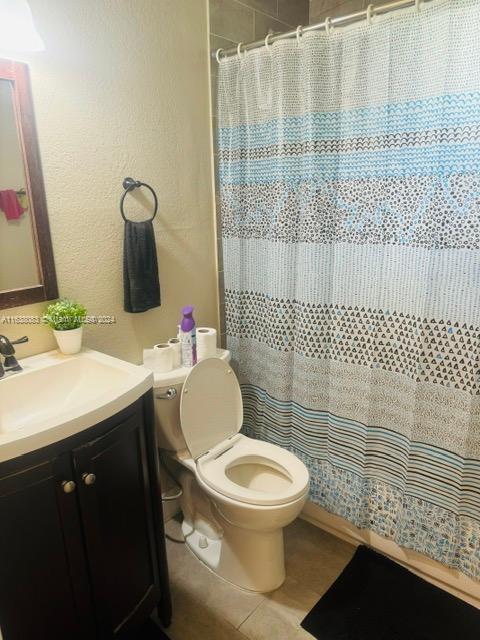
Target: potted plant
[66,318]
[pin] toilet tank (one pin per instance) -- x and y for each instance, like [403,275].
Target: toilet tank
[167,389]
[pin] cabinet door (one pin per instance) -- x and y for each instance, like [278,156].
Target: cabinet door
[44,590]
[115,500]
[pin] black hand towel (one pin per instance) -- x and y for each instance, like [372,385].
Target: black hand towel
[140,267]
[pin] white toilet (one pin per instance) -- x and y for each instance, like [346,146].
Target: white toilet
[238,493]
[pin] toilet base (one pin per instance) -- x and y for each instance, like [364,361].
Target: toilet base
[251,560]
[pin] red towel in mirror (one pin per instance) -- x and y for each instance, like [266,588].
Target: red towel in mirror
[10,205]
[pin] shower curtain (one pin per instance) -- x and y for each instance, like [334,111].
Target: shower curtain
[350,203]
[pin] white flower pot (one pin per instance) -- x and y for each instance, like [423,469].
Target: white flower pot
[69,341]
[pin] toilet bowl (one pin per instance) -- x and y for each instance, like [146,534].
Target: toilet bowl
[238,493]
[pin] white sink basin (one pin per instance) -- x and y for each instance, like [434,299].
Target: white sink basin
[56,396]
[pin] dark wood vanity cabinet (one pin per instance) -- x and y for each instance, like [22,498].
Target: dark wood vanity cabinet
[82,551]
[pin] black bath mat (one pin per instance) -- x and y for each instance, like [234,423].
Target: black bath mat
[377,599]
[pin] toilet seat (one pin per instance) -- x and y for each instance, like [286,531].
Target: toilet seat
[211,408]
[239,466]
[244,470]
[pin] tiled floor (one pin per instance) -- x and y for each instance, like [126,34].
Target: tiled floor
[207,608]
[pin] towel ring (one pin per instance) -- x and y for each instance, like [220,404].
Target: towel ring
[129,184]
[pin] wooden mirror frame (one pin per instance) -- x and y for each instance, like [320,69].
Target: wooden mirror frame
[17,73]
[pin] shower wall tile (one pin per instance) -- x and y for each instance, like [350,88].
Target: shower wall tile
[345,8]
[231,20]
[265,6]
[221,285]
[220,254]
[321,9]
[217,42]
[266,24]
[293,12]
[216,175]
[222,318]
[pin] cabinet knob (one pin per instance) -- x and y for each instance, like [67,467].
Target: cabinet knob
[69,486]
[89,478]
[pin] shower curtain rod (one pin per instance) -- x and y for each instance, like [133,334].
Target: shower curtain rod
[327,24]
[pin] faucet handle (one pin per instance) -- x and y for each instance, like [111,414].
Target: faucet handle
[6,346]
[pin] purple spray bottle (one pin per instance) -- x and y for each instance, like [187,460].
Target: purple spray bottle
[188,338]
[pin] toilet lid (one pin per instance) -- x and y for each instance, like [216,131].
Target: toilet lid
[211,406]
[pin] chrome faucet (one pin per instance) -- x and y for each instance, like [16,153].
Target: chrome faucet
[7,350]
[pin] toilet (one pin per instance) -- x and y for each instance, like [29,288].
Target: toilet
[237,493]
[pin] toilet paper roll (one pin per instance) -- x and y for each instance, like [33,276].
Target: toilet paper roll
[177,352]
[206,343]
[155,360]
[149,358]
[163,358]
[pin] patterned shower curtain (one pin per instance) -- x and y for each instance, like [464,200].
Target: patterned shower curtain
[350,199]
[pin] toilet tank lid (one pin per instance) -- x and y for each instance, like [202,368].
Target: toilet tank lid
[210,406]
[178,376]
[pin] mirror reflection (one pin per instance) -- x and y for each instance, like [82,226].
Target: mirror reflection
[18,255]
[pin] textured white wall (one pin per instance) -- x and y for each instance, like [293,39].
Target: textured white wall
[123,90]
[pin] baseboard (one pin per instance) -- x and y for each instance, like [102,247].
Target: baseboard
[450,580]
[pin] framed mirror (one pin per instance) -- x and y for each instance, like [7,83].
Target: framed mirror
[27,269]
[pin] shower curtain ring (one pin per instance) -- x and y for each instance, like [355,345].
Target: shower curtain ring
[328,25]
[299,31]
[239,51]
[417,5]
[267,44]
[217,55]
[370,10]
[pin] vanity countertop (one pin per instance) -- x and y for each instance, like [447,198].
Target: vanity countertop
[57,396]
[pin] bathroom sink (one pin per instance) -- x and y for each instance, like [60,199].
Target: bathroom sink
[56,396]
